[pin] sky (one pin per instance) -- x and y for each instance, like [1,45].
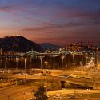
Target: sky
[51,21]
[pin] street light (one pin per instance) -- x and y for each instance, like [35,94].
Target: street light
[46,63]
[41,58]
[17,60]
[30,63]
[62,57]
[73,56]
[8,97]
[0,62]
[5,63]
[25,69]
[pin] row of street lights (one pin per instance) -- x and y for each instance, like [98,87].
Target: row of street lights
[41,60]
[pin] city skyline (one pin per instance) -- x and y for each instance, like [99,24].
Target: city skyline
[55,21]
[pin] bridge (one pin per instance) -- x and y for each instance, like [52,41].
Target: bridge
[32,54]
[57,53]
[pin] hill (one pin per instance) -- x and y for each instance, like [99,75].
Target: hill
[18,44]
[46,46]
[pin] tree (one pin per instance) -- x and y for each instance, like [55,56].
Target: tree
[40,94]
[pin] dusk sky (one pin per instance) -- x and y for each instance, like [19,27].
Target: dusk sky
[51,21]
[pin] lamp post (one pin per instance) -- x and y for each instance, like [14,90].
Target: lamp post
[86,58]
[5,63]
[30,63]
[0,62]
[46,63]
[25,69]
[62,57]
[8,97]
[17,60]
[73,54]
[41,62]
[41,58]
[96,60]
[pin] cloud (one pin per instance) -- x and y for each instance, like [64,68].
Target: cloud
[66,39]
[28,10]
[62,26]
[78,13]
[56,13]
[55,23]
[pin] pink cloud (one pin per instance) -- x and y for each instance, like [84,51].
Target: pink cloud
[78,13]
[60,26]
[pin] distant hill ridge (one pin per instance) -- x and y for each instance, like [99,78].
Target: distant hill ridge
[18,44]
[46,46]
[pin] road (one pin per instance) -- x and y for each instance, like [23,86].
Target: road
[16,93]
[75,93]
[82,79]
[24,92]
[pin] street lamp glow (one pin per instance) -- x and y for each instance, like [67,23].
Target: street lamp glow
[25,69]
[62,57]
[17,60]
